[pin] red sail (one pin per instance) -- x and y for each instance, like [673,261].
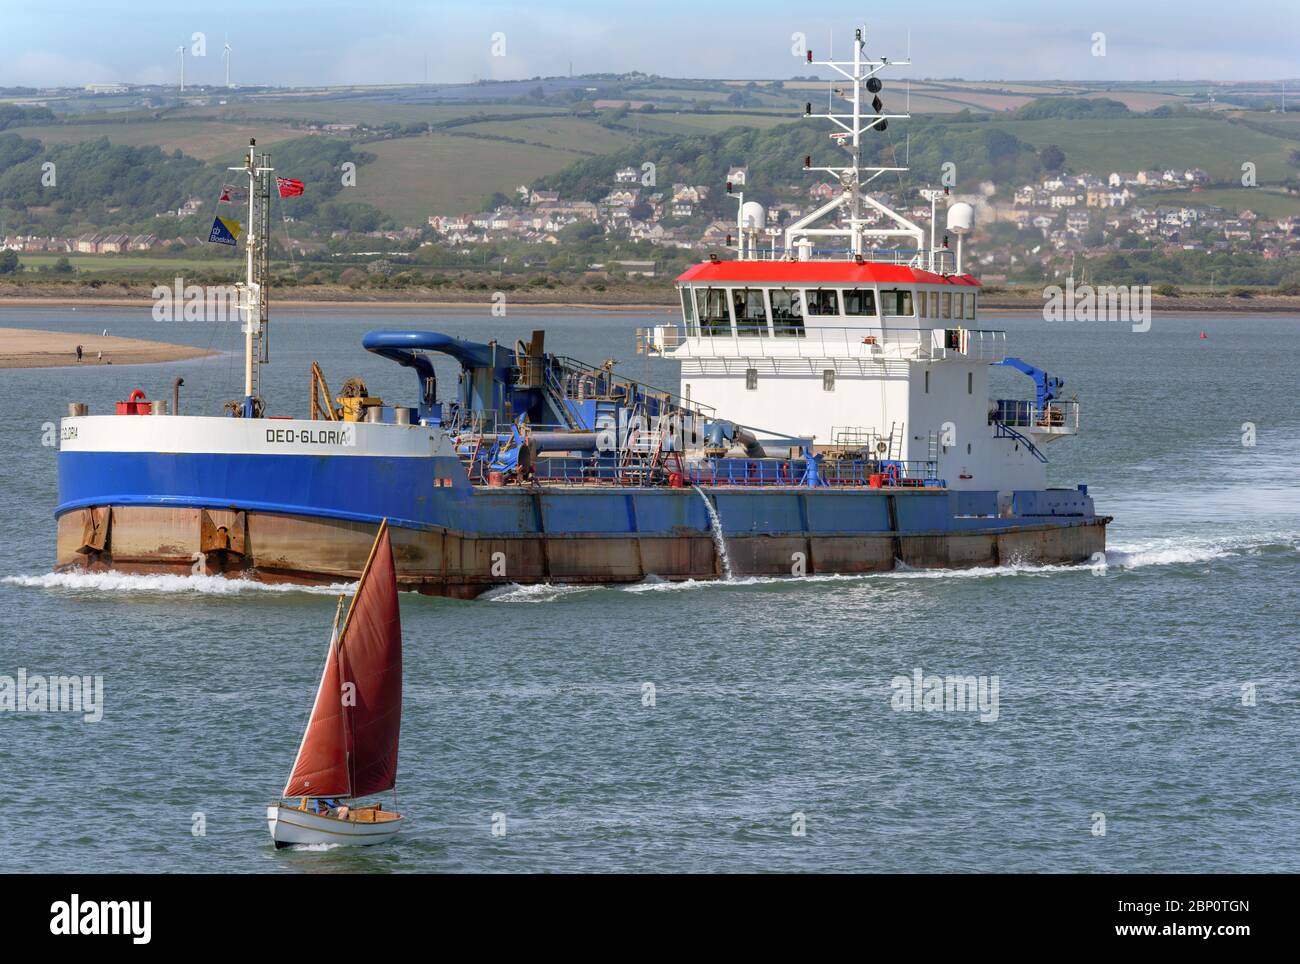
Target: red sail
[321,767]
[371,648]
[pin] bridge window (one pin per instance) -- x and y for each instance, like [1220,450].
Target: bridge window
[947,304]
[823,301]
[922,304]
[858,301]
[970,306]
[688,312]
[711,308]
[787,313]
[896,301]
[751,312]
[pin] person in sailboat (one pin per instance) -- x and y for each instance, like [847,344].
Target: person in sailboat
[330,808]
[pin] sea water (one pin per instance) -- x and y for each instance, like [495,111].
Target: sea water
[1146,703]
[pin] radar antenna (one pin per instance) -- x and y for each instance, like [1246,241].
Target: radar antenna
[861,73]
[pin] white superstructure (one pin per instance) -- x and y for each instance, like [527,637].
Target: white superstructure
[860,348]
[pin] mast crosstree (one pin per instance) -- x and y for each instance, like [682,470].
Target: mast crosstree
[861,73]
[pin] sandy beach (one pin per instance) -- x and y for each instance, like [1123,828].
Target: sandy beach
[28,348]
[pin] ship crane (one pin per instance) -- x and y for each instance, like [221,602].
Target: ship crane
[1047,387]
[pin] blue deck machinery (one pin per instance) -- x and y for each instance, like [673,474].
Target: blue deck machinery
[513,405]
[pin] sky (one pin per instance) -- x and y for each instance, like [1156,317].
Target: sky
[326,42]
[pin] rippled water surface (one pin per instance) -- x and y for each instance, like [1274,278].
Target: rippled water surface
[1120,686]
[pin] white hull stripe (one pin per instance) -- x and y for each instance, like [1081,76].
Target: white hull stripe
[207,435]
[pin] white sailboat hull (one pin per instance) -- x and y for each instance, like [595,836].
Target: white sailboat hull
[290,826]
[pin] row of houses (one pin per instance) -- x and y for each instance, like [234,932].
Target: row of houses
[540,215]
[737,177]
[1170,178]
[1172,228]
[92,243]
[115,243]
[1118,189]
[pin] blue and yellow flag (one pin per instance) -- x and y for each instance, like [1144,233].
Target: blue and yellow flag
[225,231]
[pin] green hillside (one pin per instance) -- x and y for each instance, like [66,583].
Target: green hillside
[427,157]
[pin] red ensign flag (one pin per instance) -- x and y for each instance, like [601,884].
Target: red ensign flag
[289,187]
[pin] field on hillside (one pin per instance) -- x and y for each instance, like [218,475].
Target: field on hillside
[360,111]
[997,87]
[1138,100]
[675,96]
[1132,143]
[202,139]
[1271,204]
[663,122]
[155,264]
[414,177]
[579,135]
[456,169]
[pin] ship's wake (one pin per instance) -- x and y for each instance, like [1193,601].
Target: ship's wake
[537,592]
[1118,558]
[1121,557]
[162,584]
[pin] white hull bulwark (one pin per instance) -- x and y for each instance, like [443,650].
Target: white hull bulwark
[363,827]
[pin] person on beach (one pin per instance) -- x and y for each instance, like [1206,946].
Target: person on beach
[78,353]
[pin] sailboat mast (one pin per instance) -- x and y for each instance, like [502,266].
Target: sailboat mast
[362,581]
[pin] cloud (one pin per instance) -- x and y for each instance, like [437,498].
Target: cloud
[388,42]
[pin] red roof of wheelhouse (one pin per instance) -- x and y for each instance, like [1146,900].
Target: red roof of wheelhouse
[818,272]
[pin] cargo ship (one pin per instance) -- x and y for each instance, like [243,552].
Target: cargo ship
[833,417]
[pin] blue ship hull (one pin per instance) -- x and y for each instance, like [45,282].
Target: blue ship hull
[310,518]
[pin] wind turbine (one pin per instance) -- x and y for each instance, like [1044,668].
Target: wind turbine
[225,55]
[181,50]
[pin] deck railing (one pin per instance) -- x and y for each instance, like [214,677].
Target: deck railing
[1060,416]
[940,261]
[573,470]
[804,340]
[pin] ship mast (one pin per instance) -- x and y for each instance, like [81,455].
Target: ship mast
[253,294]
[861,72]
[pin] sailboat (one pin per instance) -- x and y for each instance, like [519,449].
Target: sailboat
[349,749]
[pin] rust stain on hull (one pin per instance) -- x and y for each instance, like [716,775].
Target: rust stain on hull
[313,551]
